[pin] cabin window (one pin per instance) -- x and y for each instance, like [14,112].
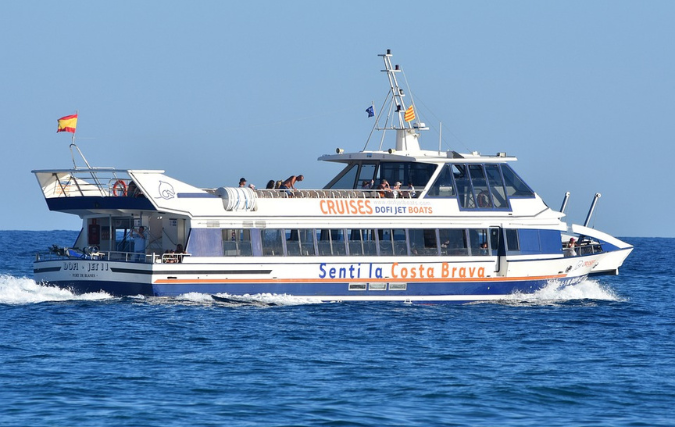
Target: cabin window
[423,242]
[512,241]
[515,186]
[550,241]
[237,242]
[453,242]
[362,242]
[300,242]
[392,242]
[206,242]
[272,242]
[331,243]
[529,241]
[478,241]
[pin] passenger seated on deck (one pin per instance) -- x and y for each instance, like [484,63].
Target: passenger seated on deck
[569,250]
[410,191]
[169,257]
[383,189]
[133,190]
[396,191]
[179,251]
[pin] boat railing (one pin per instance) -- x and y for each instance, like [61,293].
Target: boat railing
[329,194]
[100,182]
[137,257]
[582,249]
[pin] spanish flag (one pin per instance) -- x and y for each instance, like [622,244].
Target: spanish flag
[67,124]
[409,114]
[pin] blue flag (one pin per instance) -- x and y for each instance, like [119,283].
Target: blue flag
[371,111]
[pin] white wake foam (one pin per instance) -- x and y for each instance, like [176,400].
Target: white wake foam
[269,299]
[22,290]
[555,292]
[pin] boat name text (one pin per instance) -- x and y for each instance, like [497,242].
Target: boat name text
[397,271]
[365,207]
[85,269]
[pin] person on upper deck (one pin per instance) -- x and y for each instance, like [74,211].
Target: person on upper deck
[396,191]
[289,184]
[384,189]
[242,183]
[410,191]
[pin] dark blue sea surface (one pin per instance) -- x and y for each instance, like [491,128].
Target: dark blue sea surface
[600,353]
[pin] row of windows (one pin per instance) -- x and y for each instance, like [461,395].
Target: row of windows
[370,242]
[476,186]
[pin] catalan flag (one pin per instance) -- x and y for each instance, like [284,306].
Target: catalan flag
[67,123]
[409,114]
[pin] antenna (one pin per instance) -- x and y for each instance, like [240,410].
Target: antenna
[440,136]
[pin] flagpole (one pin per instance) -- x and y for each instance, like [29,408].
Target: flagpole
[72,144]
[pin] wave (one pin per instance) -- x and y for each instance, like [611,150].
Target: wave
[555,292]
[22,290]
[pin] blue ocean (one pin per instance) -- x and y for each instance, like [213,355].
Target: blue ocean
[600,353]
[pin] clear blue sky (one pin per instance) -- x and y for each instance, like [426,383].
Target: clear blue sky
[582,92]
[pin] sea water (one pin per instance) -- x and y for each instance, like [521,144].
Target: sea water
[598,353]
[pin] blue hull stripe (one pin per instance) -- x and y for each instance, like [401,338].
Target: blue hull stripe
[312,289]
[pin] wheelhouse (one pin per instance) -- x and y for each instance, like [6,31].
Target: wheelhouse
[475,186]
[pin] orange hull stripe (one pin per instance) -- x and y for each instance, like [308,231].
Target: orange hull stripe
[389,280]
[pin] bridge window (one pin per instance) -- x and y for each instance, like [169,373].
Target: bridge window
[480,187]
[405,172]
[444,185]
[515,186]
[464,189]
[497,190]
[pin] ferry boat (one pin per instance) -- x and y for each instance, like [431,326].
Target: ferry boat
[460,227]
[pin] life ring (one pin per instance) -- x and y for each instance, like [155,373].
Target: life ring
[122,184]
[483,199]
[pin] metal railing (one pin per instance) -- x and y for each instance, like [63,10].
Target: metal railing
[119,256]
[331,194]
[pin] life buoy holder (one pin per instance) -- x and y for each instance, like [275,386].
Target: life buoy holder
[483,199]
[122,185]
